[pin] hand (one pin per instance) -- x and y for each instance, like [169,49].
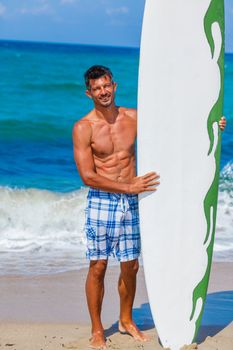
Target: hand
[222,123]
[144,183]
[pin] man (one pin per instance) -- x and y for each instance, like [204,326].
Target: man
[104,151]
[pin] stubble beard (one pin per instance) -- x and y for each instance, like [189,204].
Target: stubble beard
[107,103]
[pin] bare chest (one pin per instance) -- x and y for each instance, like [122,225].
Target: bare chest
[110,139]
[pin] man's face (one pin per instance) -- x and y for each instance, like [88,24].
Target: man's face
[102,91]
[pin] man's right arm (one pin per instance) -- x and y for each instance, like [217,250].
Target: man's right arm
[85,163]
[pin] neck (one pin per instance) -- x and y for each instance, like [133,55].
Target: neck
[108,113]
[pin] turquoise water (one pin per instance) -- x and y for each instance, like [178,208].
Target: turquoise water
[42,95]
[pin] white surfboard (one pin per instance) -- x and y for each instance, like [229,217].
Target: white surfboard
[179,106]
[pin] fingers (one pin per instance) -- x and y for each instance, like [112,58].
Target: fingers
[150,189]
[150,186]
[222,123]
[222,127]
[152,183]
[152,175]
[149,181]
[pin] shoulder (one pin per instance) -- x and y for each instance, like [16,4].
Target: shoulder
[82,128]
[83,124]
[130,112]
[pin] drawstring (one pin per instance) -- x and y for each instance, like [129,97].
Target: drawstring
[124,203]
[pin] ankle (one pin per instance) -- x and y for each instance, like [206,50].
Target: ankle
[97,331]
[125,321]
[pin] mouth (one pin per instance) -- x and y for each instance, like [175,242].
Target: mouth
[105,99]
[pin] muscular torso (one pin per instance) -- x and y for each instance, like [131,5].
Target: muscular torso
[113,145]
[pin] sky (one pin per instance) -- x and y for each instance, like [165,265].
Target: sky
[98,22]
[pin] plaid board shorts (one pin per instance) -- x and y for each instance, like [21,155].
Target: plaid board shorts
[112,226]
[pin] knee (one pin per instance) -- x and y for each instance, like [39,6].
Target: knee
[98,269]
[135,267]
[130,267]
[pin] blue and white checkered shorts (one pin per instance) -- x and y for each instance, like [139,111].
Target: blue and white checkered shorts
[112,226]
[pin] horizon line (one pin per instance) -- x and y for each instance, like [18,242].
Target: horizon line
[67,43]
[78,44]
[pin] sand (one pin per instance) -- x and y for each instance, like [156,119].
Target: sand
[49,312]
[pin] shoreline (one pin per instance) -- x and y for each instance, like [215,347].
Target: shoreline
[50,312]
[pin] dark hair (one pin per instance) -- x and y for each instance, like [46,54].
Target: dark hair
[96,72]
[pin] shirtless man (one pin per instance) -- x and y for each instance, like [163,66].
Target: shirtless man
[104,151]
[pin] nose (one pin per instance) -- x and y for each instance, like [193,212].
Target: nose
[103,90]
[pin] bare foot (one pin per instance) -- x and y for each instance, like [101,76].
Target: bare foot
[97,341]
[131,329]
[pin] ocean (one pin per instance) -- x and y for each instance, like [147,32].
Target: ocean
[42,203]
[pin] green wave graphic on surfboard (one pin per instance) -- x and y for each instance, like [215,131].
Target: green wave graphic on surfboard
[215,14]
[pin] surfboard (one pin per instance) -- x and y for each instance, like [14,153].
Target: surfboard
[180,98]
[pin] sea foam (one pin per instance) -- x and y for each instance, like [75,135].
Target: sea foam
[42,231]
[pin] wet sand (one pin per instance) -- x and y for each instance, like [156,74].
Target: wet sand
[50,312]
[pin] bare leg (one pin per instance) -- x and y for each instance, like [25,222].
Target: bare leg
[95,294]
[127,288]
